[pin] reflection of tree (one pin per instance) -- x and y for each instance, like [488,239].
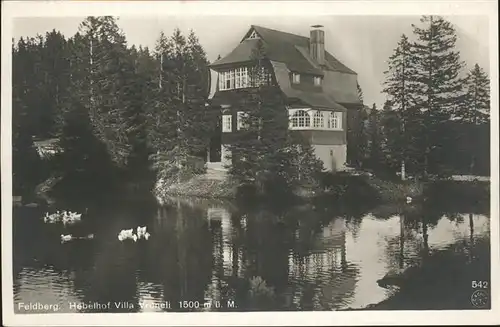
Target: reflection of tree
[401,249]
[185,250]
[327,279]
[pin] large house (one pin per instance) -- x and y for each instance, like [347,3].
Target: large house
[318,89]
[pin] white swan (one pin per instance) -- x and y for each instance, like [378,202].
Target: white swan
[147,235]
[127,234]
[408,199]
[141,231]
[66,238]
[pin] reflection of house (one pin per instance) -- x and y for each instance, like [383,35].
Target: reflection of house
[326,269]
[318,89]
[328,250]
[228,258]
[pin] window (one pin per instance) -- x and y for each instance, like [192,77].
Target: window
[335,120]
[242,120]
[295,78]
[301,119]
[227,123]
[233,79]
[317,80]
[254,35]
[318,120]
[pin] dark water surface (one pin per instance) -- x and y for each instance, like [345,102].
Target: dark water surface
[239,258]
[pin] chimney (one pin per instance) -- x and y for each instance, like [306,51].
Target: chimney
[317,44]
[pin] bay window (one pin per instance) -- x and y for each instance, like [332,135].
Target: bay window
[315,119]
[318,120]
[300,119]
[335,120]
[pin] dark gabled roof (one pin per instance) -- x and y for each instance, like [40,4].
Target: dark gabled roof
[291,49]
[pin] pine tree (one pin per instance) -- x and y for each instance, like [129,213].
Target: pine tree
[55,65]
[24,155]
[437,87]
[475,114]
[477,97]
[111,79]
[391,140]
[266,151]
[356,133]
[374,143]
[360,93]
[84,156]
[398,85]
[180,135]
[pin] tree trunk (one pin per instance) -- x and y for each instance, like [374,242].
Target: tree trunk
[401,241]
[403,171]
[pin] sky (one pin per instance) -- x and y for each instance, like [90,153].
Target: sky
[363,43]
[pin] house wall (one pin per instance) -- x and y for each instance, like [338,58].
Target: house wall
[333,156]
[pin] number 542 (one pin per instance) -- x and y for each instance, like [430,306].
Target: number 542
[479,284]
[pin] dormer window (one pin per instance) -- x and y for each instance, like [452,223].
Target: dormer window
[295,78]
[317,80]
[254,35]
[241,77]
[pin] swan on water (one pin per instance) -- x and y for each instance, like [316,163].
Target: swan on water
[66,238]
[129,234]
[408,199]
[125,234]
[141,231]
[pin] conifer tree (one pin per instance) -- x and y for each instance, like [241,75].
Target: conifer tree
[391,140]
[475,115]
[477,97]
[266,151]
[374,138]
[397,86]
[111,86]
[356,138]
[437,88]
[181,121]
[24,155]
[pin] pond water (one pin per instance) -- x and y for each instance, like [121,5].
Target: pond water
[211,255]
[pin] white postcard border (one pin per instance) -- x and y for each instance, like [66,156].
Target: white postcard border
[11,9]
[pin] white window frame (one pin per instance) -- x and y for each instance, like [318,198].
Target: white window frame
[295,78]
[300,120]
[241,115]
[227,123]
[318,120]
[317,80]
[234,79]
[335,120]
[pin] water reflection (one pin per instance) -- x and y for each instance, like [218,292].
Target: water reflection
[296,258]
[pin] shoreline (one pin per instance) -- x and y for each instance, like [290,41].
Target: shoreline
[342,187]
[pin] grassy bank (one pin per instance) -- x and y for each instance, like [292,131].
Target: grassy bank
[197,186]
[349,187]
[343,187]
